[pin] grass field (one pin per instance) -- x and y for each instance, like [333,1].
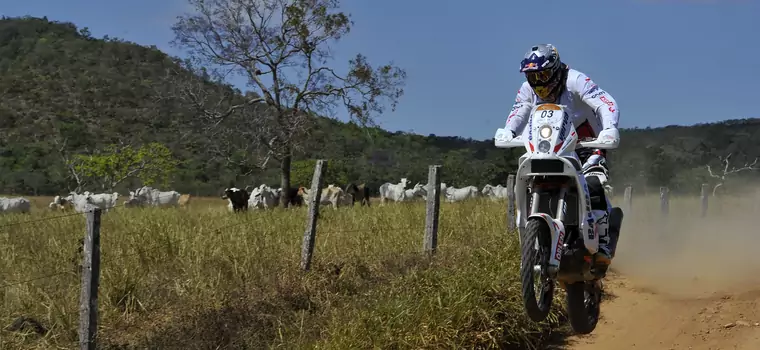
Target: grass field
[171,279]
[201,278]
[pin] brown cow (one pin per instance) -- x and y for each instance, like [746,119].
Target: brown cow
[184,200]
[331,195]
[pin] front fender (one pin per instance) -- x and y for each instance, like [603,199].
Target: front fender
[557,230]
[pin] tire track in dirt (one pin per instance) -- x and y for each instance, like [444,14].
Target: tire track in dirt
[693,283]
[640,318]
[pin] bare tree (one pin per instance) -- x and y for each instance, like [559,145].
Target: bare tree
[282,48]
[728,170]
[71,164]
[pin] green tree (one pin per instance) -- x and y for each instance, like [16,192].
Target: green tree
[283,48]
[152,164]
[302,172]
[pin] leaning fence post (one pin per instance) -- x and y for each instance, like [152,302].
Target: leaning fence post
[628,199]
[315,194]
[704,194]
[511,223]
[664,200]
[430,242]
[88,302]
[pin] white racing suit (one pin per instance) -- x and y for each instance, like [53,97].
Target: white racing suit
[592,110]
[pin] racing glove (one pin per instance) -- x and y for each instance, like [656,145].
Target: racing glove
[504,135]
[609,136]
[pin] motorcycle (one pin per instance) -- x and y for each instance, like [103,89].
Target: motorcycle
[557,238]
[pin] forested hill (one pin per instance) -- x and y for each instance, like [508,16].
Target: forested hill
[65,93]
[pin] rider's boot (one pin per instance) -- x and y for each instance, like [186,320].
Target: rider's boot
[603,257]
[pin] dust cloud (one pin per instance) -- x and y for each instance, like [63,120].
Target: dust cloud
[684,255]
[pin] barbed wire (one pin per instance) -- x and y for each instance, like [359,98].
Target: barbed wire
[34,279]
[401,228]
[188,237]
[214,230]
[217,230]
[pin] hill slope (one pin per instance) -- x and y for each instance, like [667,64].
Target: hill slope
[65,92]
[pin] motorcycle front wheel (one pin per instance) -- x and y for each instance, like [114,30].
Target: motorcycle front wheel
[537,310]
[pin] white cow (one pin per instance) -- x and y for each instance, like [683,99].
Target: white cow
[263,197]
[277,193]
[495,192]
[15,205]
[152,196]
[395,192]
[418,191]
[78,201]
[454,194]
[103,201]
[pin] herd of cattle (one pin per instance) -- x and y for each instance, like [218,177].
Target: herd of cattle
[265,197]
[261,197]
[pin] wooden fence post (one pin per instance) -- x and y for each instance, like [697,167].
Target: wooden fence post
[511,223]
[88,301]
[315,194]
[432,211]
[664,200]
[628,199]
[705,194]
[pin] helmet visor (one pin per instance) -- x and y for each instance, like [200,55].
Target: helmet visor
[538,78]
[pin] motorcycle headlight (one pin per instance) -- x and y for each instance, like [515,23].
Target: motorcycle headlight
[545,131]
[544,146]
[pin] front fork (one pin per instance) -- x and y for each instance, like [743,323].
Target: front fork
[556,229]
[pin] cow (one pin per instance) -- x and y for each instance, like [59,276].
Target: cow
[360,192]
[78,201]
[303,192]
[454,194]
[105,201]
[418,191]
[60,203]
[332,195]
[237,199]
[295,199]
[153,197]
[263,197]
[15,205]
[495,192]
[393,191]
[184,200]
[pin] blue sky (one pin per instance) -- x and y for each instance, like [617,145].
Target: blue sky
[666,62]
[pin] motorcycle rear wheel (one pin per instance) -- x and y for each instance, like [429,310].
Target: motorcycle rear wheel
[537,310]
[583,305]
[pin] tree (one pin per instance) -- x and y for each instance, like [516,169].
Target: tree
[303,172]
[283,49]
[152,164]
[72,164]
[727,170]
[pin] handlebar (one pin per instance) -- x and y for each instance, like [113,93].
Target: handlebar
[518,142]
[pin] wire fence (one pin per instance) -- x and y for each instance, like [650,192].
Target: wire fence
[90,249]
[89,269]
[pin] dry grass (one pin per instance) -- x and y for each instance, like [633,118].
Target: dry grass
[172,279]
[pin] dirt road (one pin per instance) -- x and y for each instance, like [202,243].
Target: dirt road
[693,285]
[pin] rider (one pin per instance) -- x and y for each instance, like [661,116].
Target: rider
[551,81]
